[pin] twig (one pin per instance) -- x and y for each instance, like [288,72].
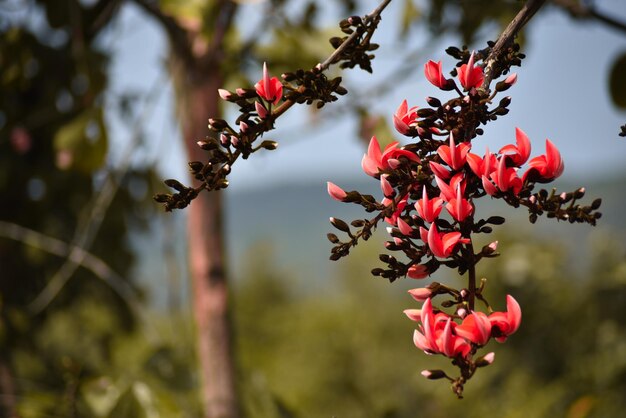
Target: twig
[88,229]
[518,22]
[585,11]
[88,260]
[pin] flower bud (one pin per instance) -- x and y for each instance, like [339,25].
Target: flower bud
[224,94]
[433,374]
[486,360]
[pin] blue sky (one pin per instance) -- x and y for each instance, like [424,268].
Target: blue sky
[561,94]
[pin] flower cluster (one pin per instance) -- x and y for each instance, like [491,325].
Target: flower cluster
[439,171]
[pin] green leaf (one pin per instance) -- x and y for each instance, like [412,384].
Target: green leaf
[81,144]
[410,14]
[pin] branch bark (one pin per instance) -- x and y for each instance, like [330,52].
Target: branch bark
[506,38]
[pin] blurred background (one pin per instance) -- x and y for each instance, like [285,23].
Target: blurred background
[96,296]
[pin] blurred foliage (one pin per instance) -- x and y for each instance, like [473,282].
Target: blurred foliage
[347,351]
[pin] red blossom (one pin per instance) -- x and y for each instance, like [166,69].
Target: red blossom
[548,166]
[434,74]
[476,328]
[442,245]
[454,155]
[519,153]
[428,209]
[506,323]
[404,118]
[375,160]
[459,207]
[470,75]
[270,89]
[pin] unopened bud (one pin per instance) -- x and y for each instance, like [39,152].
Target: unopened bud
[461,312]
[224,94]
[532,199]
[240,92]
[224,140]
[243,126]
[433,374]
[486,360]
[260,110]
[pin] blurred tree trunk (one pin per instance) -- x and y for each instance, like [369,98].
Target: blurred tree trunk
[195,66]
[197,99]
[196,91]
[7,389]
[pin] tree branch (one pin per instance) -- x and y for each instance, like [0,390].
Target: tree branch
[507,36]
[586,11]
[177,35]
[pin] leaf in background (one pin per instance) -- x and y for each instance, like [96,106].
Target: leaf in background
[617,81]
[374,125]
[410,15]
[81,144]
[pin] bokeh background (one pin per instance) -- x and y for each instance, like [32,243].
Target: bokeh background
[95,293]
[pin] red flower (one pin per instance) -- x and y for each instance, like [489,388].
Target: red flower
[376,160]
[434,74]
[436,333]
[448,191]
[459,208]
[506,323]
[548,166]
[404,118]
[518,154]
[441,245]
[393,220]
[476,328]
[470,75]
[506,177]
[454,155]
[428,209]
[270,89]
[482,166]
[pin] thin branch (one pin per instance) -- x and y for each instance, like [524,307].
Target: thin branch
[335,55]
[507,36]
[177,34]
[88,260]
[87,230]
[585,11]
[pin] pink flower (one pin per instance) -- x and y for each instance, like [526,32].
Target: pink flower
[336,192]
[548,166]
[418,271]
[385,186]
[454,155]
[270,89]
[441,245]
[260,110]
[506,323]
[448,191]
[375,160]
[511,79]
[439,170]
[482,166]
[459,208]
[476,328]
[420,294]
[518,154]
[393,220]
[506,177]
[470,75]
[404,118]
[436,334]
[428,209]
[434,74]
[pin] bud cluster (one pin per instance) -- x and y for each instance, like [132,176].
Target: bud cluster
[437,170]
[269,99]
